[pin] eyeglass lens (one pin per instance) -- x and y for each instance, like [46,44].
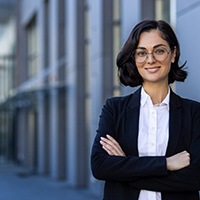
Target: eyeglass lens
[159,54]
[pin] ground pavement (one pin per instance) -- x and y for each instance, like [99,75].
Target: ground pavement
[15,185]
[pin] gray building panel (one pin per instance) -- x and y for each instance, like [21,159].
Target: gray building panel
[188,30]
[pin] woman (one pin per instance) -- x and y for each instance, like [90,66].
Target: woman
[147,145]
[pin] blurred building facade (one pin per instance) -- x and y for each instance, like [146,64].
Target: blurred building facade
[65,69]
[7,71]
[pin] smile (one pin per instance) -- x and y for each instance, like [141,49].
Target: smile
[152,70]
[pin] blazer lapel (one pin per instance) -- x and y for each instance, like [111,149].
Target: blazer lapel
[132,122]
[175,120]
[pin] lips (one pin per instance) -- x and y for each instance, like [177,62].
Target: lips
[152,70]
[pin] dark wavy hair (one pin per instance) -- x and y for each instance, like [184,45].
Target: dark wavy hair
[127,70]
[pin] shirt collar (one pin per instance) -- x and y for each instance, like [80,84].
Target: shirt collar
[145,99]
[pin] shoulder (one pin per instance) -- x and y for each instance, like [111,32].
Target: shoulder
[192,105]
[130,100]
[185,102]
[119,101]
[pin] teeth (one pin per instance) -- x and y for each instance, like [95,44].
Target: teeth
[152,70]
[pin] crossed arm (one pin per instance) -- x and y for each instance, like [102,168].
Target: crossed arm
[182,175]
[175,162]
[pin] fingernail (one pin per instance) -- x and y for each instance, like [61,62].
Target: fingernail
[108,135]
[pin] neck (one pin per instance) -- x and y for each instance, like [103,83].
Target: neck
[156,92]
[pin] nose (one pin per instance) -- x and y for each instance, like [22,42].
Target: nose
[150,58]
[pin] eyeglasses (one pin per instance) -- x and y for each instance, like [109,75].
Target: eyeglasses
[159,54]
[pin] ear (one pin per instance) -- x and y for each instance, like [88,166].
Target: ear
[173,55]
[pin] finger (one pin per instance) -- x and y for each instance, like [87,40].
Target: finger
[110,146]
[110,142]
[113,150]
[108,151]
[114,141]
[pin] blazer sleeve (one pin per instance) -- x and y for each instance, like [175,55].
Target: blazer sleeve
[186,179]
[119,168]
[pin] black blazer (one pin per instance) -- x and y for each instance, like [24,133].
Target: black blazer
[126,176]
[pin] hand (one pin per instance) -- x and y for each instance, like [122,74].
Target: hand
[178,161]
[111,146]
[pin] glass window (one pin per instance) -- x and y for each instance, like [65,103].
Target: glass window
[61,41]
[155,9]
[46,33]
[116,44]
[61,28]
[46,38]
[32,62]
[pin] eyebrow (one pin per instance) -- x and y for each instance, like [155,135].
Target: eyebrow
[158,45]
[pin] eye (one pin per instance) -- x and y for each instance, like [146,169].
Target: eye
[160,51]
[140,53]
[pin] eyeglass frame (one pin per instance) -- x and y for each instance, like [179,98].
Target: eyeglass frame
[147,55]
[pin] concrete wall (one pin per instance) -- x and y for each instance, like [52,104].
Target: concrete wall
[188,29]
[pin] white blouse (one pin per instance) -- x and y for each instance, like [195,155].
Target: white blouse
[153,133]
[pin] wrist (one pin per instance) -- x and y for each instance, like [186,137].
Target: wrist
[168,161]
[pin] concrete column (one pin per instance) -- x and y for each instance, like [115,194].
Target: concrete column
[41,136]
[71,139]
[54,134]
[53,93]
[40,96]
[96,75]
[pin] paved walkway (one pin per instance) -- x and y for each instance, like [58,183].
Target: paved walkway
[15,186]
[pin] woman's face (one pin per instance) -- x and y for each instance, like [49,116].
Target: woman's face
[152,70]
